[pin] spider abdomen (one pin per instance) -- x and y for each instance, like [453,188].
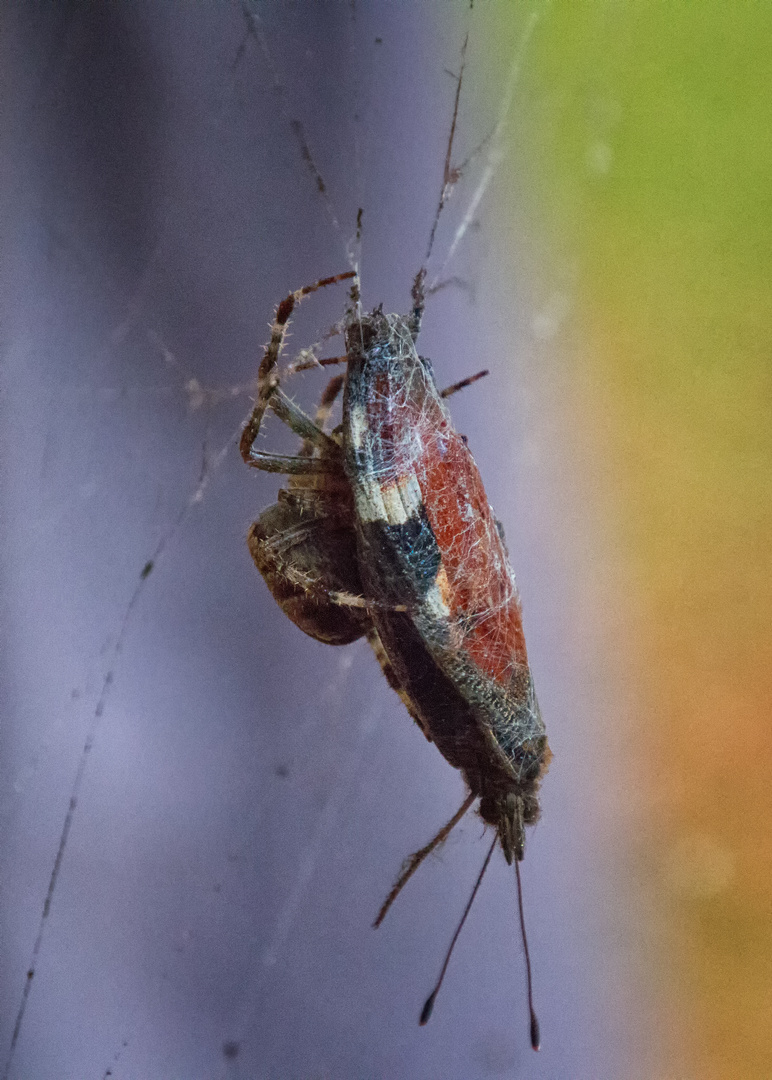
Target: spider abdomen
[305,548]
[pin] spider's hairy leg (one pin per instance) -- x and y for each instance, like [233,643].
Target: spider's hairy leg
[295,419]
[314,438]
[328,399]
[291,465]
[326,402]
[267,379]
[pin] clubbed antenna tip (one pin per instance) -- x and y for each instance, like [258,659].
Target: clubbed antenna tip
[426,1012]
[535,1033]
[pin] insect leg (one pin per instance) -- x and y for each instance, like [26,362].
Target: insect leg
[316,362]
[463,383]
[413,861]
[418,294]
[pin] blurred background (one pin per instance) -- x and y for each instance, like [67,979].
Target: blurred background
[201,810]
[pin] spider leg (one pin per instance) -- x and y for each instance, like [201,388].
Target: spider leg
[290,464]
[302,425]
[267,379]
[326,402]
[328,398]
[350,600]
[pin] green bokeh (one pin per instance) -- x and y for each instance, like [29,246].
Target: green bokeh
[644,130]
[648,138]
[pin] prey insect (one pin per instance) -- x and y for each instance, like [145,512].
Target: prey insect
[384,531]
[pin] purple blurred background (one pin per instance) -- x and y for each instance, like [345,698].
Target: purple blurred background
[250,794]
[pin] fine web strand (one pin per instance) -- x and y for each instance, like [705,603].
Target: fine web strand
[208,467]
[495,153]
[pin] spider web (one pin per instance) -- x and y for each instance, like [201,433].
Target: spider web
[213,792]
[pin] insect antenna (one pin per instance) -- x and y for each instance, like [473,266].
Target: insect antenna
[450,177]
[426,1012]
[449,174]
[412,862]
[534,1021]
[494,140]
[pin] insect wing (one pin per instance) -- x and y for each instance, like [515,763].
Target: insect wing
[429,543]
